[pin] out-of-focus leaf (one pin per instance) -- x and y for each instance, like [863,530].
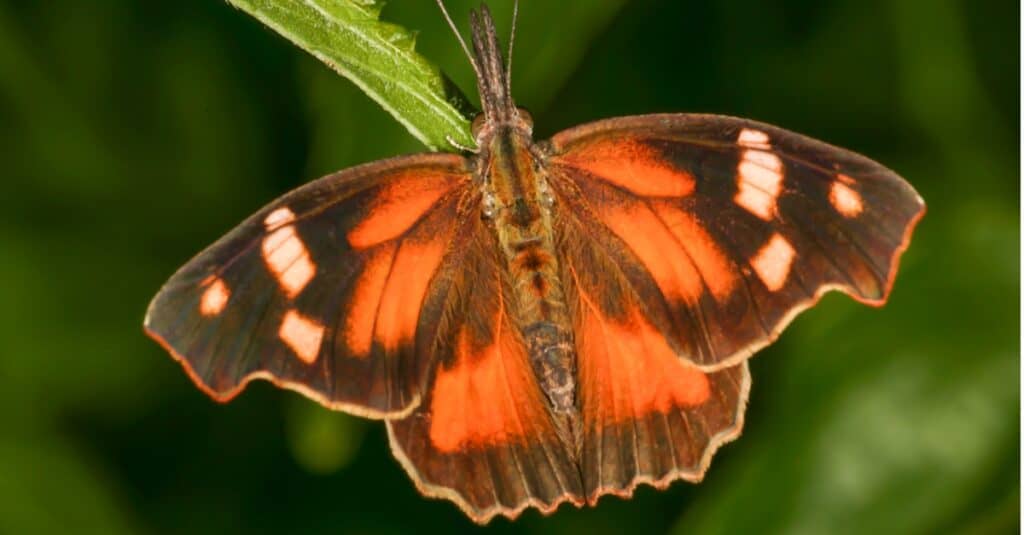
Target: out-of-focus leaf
[323,441]
[895,449]
[48,487]
[378,57]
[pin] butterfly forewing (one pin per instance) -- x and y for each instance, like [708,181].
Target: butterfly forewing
[329,290]
[727,228]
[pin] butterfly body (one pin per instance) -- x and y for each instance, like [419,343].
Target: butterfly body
[541,323]
[517,204]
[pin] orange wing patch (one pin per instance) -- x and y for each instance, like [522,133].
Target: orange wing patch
[363,307]
[633,166]
[715,268]
[474,402]
[404,247]
[399,205]
[629,368]
[400,302]
[658,249]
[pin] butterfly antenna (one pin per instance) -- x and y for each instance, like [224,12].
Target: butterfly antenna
[511,41]
[465,48]
[494,98]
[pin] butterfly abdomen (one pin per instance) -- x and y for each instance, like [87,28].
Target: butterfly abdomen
[542,315]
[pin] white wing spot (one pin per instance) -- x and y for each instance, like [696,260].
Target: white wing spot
[773,262]
[845,199]
[753,138]
[759,179]
[215,297]
[288,260]
[302,335]
[279,217]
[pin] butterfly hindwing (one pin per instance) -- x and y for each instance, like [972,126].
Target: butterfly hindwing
[727,228]
[483,436]
[647,416]
[328,290]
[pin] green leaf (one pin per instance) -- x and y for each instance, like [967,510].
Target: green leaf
[549,45]
[378,57]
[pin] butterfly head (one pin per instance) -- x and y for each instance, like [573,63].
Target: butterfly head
[483,128]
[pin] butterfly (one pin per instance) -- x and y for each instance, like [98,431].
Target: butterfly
[541,322]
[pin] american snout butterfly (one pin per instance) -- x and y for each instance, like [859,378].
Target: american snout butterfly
[541,322]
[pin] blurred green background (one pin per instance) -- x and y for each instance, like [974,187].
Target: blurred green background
[134,133]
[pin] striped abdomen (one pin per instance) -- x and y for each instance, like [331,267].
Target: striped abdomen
[541,310]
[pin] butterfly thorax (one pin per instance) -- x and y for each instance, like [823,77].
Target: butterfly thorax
[518,203]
